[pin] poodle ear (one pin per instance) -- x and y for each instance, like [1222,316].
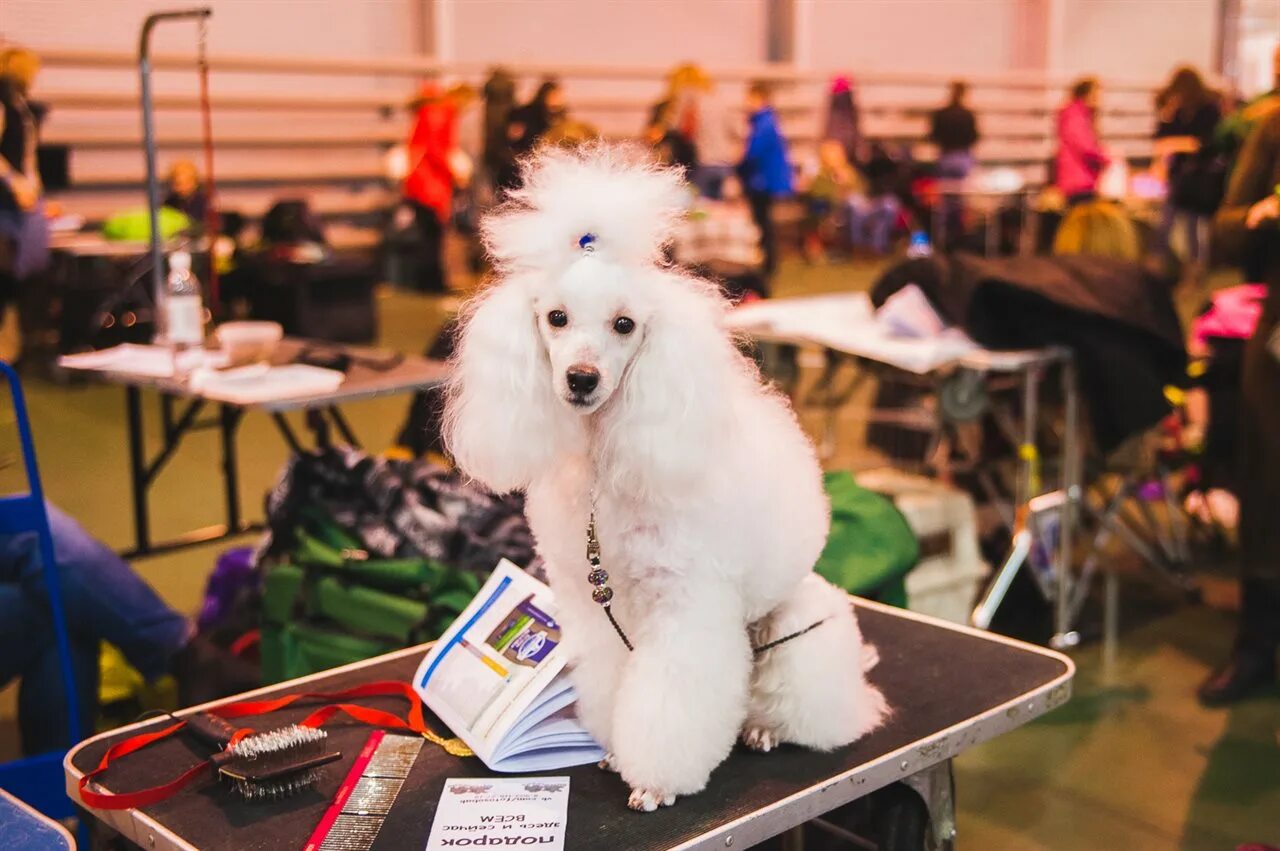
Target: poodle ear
[502,423]
[676,402]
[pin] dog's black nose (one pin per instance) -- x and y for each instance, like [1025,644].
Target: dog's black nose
[582,379]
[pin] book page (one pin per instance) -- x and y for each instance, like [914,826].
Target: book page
[496,660]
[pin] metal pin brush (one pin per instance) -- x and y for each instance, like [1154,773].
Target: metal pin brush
[265,766]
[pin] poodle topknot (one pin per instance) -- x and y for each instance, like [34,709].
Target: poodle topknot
[603,384]
[614,192]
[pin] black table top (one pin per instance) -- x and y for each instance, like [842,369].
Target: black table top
[950,688]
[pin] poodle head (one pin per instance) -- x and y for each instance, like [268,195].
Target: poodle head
[585,342]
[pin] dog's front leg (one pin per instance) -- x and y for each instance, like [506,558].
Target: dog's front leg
[683,696]
[596,671]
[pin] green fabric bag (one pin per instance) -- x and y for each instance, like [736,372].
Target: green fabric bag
[330,604]
[294,649]
[871,549]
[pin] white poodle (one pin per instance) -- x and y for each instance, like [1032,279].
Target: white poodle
[597,380]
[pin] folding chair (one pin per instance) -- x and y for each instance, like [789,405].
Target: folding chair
[39,779]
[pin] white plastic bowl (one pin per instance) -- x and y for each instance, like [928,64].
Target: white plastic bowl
[248,341]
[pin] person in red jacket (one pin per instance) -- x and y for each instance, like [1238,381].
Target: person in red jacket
[433,174]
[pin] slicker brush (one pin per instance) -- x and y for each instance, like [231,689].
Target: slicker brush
[265,766]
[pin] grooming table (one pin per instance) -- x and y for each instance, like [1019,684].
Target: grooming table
[951,688]
[180,408]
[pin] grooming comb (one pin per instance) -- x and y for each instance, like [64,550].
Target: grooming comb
[358,810]
[265,766]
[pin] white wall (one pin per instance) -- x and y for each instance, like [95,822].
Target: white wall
[311,27]
[1138,39]
[942,36]
[629,32]
[289,27]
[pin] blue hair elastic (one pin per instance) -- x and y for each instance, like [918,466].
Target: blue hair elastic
[586,241]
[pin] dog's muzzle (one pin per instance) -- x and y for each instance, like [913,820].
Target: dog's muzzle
[582,381]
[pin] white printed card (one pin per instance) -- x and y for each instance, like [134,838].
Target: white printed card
[501,812]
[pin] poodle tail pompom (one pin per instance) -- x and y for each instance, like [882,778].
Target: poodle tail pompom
[612,196]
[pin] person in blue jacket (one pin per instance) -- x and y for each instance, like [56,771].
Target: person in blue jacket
[765,170]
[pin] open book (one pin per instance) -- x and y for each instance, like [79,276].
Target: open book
[497,678]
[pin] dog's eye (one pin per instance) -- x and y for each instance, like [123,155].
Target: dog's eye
[624,325]
[558,318]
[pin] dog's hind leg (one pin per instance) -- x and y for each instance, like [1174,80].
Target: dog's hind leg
[683,696]
[811,690]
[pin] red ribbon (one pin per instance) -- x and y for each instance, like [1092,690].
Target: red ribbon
[145,797]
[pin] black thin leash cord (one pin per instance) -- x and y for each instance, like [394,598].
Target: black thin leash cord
[608,610]
[603,594]
[784,639]
[756,651]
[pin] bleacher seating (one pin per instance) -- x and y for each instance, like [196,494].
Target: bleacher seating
[282,126]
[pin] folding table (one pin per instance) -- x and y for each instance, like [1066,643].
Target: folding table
[951,688]
[372,373]
[962,379]
[24,827]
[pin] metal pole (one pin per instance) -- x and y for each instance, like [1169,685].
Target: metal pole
[138,471]
[1071,485]
[149,150]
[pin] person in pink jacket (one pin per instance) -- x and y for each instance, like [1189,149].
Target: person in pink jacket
[1080,159]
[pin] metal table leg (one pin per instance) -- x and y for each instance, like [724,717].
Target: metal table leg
[344,428]
[138,482]
[287,432]
[937,788]
[1063,635]
[229,421]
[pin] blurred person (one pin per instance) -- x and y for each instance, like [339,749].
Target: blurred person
[843,121]
[765,169]
[185,192]
[670,145]
[953,129]
[103,600]
[872,220]
[571,133]
[498,155]
[703,118]
[532,121]
[1235,126]
[1251,208]
[24,228]
[1101,228]
[1080,158]
[833,189]
[434,172]
[1188,113]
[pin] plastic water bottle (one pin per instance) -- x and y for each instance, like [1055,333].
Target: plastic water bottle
[919,245]
[184,311]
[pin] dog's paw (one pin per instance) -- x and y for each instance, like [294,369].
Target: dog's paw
[609,763]
[648,800]
[760,739]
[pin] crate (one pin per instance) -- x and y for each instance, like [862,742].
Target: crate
[951,571]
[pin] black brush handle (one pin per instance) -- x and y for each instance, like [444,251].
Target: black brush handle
[211,729]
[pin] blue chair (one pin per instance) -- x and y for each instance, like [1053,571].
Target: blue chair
[39,780]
